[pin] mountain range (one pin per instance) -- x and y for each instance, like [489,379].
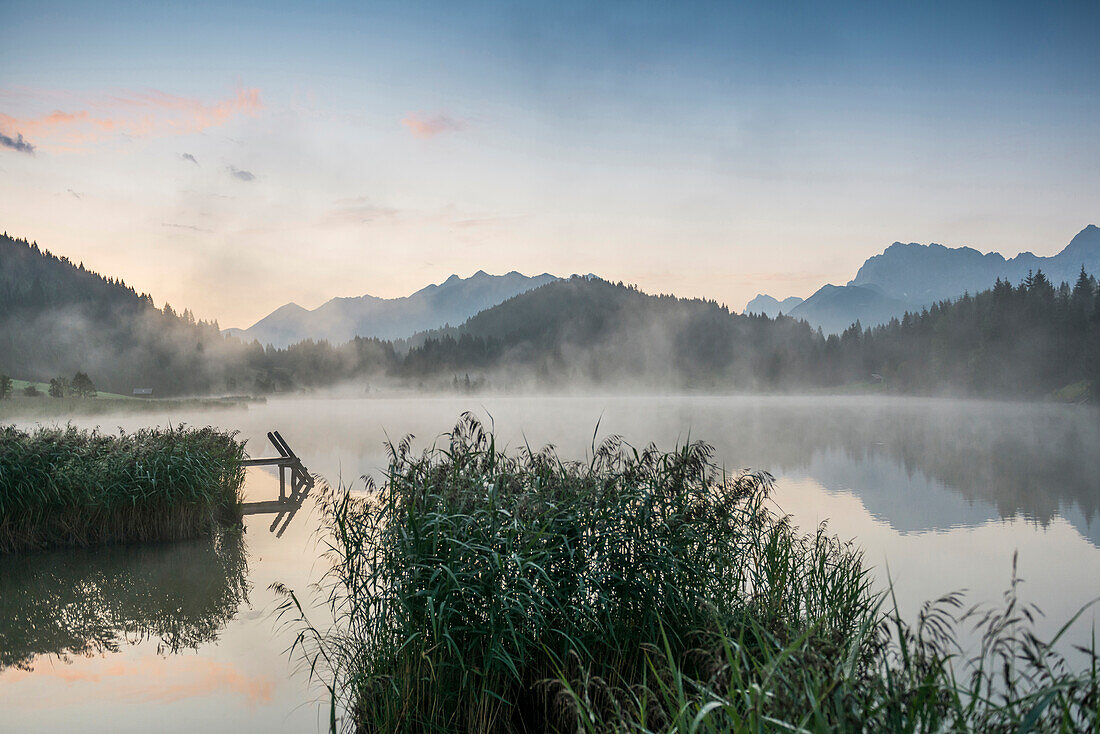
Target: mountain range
[904,277]
[770,307]
[342,319]
[908,277]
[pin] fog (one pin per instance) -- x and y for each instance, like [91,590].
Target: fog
[939,493]
[919,465]
[1030,460]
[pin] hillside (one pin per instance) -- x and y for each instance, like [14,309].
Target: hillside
[342,319]
[57,318]
[585,330]
[1031,339]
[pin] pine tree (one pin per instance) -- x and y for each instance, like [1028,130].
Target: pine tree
[83,386]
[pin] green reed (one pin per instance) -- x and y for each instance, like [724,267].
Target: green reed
[640,591]
[65,486]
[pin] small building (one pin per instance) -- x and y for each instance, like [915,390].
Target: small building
[143,392]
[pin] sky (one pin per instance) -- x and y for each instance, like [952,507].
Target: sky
[232,157]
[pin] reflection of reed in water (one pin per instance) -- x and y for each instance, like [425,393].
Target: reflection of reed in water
[83,602]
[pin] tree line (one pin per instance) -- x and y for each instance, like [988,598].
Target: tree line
[1023,340]
[1011,340]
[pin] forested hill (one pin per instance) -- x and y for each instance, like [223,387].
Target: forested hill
[585,330]
[1028,339]
[33,280]
[57,318]
[1009,341]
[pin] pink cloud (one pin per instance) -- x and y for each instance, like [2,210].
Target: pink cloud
[428,126]
[137,114]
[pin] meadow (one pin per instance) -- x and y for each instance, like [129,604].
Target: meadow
[41,405]
[72,487]
[644,591]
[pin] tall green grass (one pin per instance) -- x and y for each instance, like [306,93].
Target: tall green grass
[640,591]
[64,486]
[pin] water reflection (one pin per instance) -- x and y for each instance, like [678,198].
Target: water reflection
[284,510]
[929,466]
[85,602]
[917,464]
[939,493]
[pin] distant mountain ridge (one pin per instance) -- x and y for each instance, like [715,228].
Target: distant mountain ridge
[907,277]
[929,273]
[767,306]
[342,319]
[834,308]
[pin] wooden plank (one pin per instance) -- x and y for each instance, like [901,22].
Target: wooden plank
[295,505]
[267,461]
[277,443]
[275,522]
[262,508]
[286,446]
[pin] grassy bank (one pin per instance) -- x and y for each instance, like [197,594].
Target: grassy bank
[18,406]
[642,591]
[64,486]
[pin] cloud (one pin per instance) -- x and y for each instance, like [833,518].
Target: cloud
[16,143]
[239,174]
[189,157]
[358,210]
[428,126]
[362,210]
[191,227]
[134,114]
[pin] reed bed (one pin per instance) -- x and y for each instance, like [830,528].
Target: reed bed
[641,591]
[66,487]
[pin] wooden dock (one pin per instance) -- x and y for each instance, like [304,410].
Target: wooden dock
[301,482]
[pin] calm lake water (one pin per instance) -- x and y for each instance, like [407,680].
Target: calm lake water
[181,637]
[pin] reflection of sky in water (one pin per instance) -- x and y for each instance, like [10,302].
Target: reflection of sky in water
[1059,567]
[240,681]
[939,494]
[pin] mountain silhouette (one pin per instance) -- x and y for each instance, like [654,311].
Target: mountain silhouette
[342,319]
[768,306]
[834,308]
[911,276]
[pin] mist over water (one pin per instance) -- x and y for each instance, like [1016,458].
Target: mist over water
[939,493]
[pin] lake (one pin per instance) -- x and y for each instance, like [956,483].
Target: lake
[182,637]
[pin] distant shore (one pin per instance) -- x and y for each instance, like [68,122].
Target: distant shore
[19,405]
